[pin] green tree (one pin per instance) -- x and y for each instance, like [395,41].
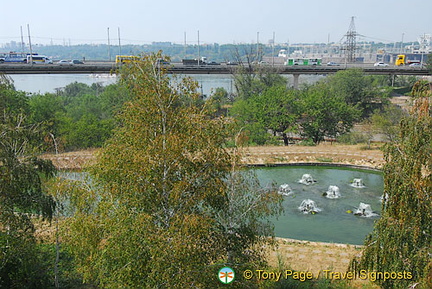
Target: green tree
[219,101]
[48,110]
[323,114]
[88,117]
[429,62]
[276,108]
[251,79]
[86,132]
[45,108]
[85,104]
[77,89]
[11,101]
[387,121]
[252,82]
[242,224]
[359,90]
[112,99]
[151,217]
[402,237]
[404,80]
[244,113]
[22,198]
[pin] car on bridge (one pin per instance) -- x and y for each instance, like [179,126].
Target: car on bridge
[381,64]
[416,65]
[64,62]
[76,61]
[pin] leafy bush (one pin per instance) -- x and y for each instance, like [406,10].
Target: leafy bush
[352,138]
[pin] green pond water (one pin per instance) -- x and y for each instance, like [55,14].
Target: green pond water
[333,223]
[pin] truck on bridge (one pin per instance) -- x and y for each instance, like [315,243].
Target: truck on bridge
[404,59]
[201,61]
[190,62]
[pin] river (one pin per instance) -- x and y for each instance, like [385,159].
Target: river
[49,83]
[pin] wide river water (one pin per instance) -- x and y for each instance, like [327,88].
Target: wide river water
[43,83]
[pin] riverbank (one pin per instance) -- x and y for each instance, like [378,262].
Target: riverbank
[325,153]
[337,154]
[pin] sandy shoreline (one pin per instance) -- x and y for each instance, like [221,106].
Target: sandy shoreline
[335,154]
[324,153]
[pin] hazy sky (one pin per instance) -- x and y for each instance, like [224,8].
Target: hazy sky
[218,21]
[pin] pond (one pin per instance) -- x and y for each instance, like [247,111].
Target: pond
[332,223]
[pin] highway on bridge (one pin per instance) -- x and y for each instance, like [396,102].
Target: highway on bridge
[178,68]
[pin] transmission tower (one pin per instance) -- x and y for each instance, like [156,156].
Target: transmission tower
[350,42]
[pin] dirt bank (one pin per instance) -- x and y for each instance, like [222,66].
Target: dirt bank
[323,153]
[262,155]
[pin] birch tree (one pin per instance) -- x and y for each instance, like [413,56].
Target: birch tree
[22,195]
[150,219]
[401,240]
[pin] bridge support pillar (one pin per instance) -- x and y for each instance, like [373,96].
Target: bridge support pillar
[296,81]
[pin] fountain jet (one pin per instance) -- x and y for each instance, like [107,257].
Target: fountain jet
[358,183]
[309,207]
[365,210]
[307,179]
[332,192]
[285,190]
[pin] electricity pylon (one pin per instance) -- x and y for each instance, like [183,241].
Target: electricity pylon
[350,42]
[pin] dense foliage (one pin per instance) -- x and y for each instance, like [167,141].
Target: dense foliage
[358,90]
[402,237]
[324,114]
[78,117]
[429,63]
[326,109]
[22,195]
[387,121]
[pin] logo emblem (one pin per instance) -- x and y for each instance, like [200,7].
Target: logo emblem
[226,275]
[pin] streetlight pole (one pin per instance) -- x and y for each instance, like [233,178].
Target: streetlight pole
[273,47]
[31,52]
[185,45]
[402,50]
[109,45]
[198,50]
[118,30]
[257,47]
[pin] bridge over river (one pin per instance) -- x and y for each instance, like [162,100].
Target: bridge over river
[178,68]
